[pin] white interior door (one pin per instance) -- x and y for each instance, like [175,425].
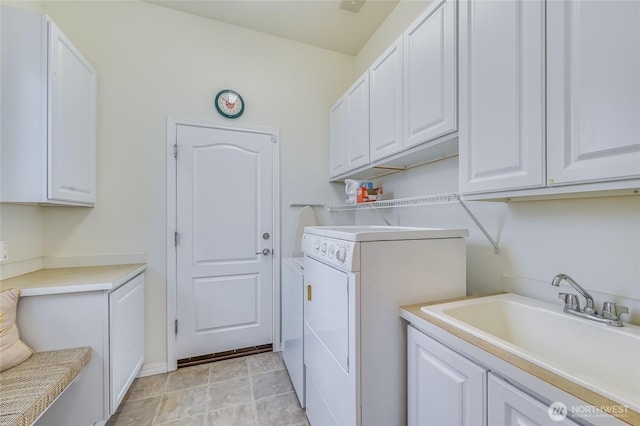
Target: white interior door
[224,252]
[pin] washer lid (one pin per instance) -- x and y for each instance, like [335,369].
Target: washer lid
[384,233]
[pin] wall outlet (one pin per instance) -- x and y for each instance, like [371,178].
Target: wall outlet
[4,251]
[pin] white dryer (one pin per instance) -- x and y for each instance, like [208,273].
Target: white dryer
[356,279]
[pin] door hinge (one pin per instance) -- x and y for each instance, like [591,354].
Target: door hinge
[176,327]
[176,238]
[274,138]
[175,150]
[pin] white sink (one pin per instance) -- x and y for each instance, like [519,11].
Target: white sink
[601,358]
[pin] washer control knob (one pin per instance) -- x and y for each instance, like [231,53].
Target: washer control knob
[341,254]
[324,248]
[332,251]
[316,246]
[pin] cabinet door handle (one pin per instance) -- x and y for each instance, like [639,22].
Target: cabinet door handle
[309,292]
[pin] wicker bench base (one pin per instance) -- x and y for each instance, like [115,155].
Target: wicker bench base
[27,390]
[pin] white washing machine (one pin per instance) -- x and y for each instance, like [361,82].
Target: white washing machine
[356,278]
[292,322]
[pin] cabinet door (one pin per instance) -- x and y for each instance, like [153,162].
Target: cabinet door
[509,406]
[385,103]
[358,123]
[126,337]
[444,388]
[72,122]
[430,74]
[337,138]
[502,82]
[593,91]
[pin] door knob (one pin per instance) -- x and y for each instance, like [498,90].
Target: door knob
[265,252]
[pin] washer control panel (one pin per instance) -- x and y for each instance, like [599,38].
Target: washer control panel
[336,252]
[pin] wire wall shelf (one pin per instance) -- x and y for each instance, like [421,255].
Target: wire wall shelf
[400,202]
[452,197]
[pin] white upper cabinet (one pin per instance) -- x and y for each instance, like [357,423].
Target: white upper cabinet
[337,137]
[593,91]
[430,74]
[48,137]
[501,95]
[72,147]
[349,129]
[385,103]
[549,97]
[357,124]
[403,111]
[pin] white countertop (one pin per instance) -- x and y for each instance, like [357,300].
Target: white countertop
[73,280]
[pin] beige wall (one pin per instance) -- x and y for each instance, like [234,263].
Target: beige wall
[595,240]
[21,228]
[153,62]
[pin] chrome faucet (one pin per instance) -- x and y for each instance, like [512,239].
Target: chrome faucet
[610,312]
[590,308]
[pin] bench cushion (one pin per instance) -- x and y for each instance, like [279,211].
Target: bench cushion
[27,390]
[13,351]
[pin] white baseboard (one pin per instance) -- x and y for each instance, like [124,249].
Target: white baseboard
[20,267]
[153,369]
[94,260]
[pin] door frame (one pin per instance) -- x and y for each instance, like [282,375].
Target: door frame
[172,253]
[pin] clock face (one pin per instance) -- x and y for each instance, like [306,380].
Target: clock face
[229,104]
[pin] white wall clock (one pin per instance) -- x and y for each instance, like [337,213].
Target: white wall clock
[229,103]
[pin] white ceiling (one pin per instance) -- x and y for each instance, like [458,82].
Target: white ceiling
[314,22]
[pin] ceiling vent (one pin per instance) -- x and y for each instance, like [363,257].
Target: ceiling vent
[350,5]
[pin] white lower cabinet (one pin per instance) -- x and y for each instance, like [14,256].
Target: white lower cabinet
[444,387]
[111,323]
[509,406]
[126,338]
[452,382]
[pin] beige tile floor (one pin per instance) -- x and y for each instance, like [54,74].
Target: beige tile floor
[252,391]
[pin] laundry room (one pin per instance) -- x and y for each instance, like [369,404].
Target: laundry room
[218,143]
